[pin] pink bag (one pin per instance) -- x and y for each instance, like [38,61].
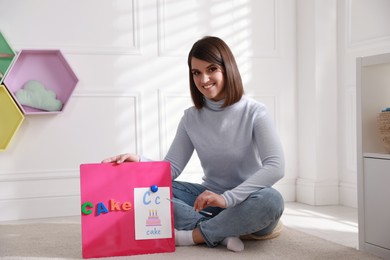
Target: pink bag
[125,209]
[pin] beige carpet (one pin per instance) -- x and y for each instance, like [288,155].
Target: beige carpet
[63,241]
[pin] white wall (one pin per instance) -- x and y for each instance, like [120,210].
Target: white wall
[130,57]
[330,35]
[297,56]
[363,30]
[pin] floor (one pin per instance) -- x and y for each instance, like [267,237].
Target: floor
[333,223]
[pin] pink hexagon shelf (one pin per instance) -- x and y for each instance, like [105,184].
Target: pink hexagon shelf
[10,117]
[6,56]
[47,67]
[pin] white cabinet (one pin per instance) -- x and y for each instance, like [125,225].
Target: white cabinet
[373,94]
[377,210]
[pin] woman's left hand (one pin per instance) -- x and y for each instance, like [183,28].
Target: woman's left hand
[209,199]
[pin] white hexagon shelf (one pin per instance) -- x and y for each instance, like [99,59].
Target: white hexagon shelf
[10,117]
[53,79]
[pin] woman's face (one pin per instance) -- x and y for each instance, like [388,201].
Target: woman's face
[208,79]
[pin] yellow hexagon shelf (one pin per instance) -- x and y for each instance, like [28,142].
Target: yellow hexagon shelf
[10,118]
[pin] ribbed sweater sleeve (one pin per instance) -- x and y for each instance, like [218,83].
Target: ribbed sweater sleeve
[180,151]
[272,159]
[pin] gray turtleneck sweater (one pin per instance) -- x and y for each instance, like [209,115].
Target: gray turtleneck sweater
[238,147]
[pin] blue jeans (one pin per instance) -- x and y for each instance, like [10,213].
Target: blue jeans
[258,214]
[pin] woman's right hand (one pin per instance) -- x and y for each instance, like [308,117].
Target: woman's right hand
[126,157]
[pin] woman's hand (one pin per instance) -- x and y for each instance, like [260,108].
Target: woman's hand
[209,199]
[127,157]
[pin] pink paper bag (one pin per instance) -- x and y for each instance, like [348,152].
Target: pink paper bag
[125,209]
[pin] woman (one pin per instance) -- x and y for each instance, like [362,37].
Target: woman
[239,150]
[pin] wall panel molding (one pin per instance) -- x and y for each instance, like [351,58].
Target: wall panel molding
[165,98]
[106,93]
[359,31]
[261,43]
[122,37]
[39,175]
[134,95]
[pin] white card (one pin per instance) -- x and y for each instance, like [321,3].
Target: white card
[152,213]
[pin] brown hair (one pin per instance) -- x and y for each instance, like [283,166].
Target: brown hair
[216,51]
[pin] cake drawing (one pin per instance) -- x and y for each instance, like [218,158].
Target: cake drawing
[153,219]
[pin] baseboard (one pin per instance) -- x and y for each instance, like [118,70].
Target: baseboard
[30,195]
[32,208]
[287,188]
[317,193]
[348,194]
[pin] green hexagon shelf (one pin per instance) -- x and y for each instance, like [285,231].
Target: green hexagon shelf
[6,56]
[10,118]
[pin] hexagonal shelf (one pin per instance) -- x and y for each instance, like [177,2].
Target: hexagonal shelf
[47,68]
[10,117]
[6,56]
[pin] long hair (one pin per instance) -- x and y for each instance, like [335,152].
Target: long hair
[216,51]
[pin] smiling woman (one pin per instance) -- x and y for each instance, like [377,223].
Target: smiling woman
[212,59]
[208,79]
[239,150]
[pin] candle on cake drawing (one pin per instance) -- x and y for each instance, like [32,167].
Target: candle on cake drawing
[152,213]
